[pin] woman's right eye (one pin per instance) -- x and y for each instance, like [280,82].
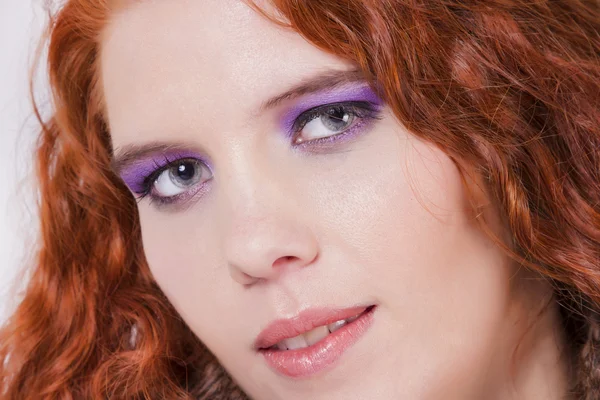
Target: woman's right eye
[178,178]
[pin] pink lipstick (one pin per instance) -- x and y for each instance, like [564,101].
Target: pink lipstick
[312,341]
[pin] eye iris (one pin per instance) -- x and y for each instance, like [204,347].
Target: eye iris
[336,119]
[185,173]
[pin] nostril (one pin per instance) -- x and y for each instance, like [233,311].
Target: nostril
[284,260]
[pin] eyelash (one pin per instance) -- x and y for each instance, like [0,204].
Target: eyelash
[150,180]
[364,111]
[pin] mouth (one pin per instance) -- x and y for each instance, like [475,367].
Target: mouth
[315,335]
[314,340]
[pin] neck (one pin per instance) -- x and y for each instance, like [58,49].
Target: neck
[542,363]
[537,364]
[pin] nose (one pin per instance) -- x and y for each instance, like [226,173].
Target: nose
[266,235]
[263,247]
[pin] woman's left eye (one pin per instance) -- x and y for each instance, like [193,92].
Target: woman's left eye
[330,120]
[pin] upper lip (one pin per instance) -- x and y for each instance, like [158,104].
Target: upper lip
[305,321]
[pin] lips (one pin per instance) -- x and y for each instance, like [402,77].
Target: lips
[313,336]
[316,338]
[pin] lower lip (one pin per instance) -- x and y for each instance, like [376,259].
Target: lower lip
[313,359]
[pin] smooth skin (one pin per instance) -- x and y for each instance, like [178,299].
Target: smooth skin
[381,218]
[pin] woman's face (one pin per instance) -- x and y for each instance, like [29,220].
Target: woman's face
[281,195]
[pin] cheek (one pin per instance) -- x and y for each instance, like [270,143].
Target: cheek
[183,261]
[443,285]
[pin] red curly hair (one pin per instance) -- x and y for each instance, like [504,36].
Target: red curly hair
[509,88]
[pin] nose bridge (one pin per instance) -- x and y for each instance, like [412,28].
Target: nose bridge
[250,181]
[264,234]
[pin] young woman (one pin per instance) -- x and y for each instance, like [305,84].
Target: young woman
[316,200]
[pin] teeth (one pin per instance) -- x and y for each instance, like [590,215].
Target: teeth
[313,336]
[281,346]
[316,335]
[336,325]
[294,343]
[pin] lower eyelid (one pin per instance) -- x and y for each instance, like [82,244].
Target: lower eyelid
[182,200]
[324,143]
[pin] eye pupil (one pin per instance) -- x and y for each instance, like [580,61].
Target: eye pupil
[338,113]
[186,171]
[336,119]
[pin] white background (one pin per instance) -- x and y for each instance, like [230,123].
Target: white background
[21,26]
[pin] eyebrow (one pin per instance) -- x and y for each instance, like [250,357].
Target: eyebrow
[327,80]
[129,154]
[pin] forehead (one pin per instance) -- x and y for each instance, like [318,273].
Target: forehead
[195,59]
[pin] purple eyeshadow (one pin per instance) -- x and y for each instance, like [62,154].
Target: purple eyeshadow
[359,92]
[135,173]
